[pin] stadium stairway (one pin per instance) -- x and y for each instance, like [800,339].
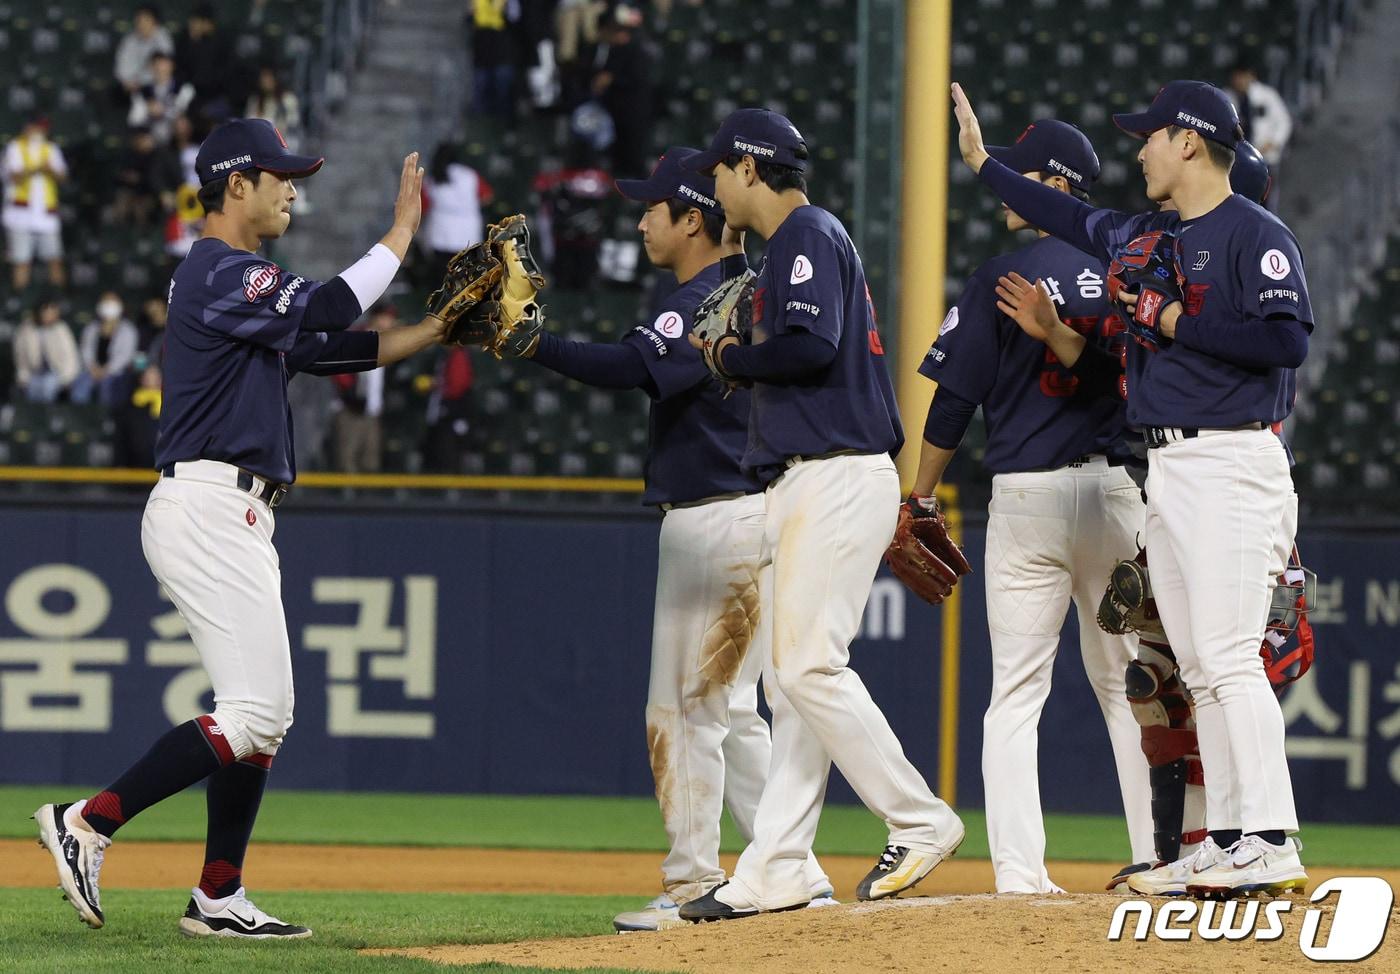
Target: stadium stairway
[407,91]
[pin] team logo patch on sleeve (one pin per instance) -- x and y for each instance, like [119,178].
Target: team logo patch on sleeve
[260,280]
[670,324]
[950,322]
[1275,264]
[801,270]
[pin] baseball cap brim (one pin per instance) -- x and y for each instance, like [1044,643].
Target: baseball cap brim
[1004,154]
[645,190]
[1139,124]
[293,166]
[705,162]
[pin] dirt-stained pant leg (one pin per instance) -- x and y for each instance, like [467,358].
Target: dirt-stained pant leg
[707,611]
[829,522]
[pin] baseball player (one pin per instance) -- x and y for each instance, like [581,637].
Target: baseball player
[1064,508]
[239,326]
[1217,308]
[822,428]
[1159,701]
[705,737]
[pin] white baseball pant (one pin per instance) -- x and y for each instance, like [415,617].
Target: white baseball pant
[829,522]
[706,739]
[1221,518]
[1053,537]
[209,544]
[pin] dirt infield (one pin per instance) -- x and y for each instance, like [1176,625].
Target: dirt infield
[955,926]
[1063,935]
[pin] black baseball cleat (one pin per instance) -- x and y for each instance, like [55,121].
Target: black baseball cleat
[238,917]
[77,852]
[710,907]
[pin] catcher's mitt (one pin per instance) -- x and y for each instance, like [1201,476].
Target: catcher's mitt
[727,312]
[1147,266]
[1127,604]
[922,556]
[487,296]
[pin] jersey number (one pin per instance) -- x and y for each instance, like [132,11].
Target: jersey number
[1056,381]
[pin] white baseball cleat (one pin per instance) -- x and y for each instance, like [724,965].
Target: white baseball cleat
[1252,866]
[235,916]
[662,913]
[1173,878]
[77,852]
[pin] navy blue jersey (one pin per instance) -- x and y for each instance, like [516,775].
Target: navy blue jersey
[696,436]
[1036,417]
[812,280]
[237,330]
[1241,263]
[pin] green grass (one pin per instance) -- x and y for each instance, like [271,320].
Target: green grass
[565,822]
[41,933]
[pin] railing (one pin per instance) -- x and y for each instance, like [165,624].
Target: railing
[344,24]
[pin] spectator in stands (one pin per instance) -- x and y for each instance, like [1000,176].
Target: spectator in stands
[151,328]
[186,220]
[449,413]
[137,416]
[455,194]
[495,57]
[275,103]
[46,354]
[576,27]
[34,168]
[146,180]
[622,83]
[1265,118]
[359,435]
[147,36]
[157,105]
[204,58]
[108,348]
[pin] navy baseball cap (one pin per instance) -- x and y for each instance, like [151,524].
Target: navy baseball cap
[670,179]
[1250,176]
[249,143]
[1191,105]
[1054,147]
[757,132]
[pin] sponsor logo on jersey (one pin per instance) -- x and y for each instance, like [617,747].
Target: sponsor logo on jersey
[669,324]
[806,307]
[230,163]
[801,270]
[950,321]
[260,280]
[1061,168]
[699,197]
[653,337]
[1275,264]
[1278,294]
[284,297]
[1195,122]
[1202,259]
[937,354]
[755,150]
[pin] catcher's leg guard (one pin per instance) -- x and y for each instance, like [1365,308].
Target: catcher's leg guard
[1162,706]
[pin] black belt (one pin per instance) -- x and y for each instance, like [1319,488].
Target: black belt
[1158,436]
[269,493]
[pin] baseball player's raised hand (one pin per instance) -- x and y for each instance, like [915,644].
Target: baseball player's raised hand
[1028,305]
[970,144]
[408,207]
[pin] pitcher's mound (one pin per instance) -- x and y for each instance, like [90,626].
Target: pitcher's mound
[956,934]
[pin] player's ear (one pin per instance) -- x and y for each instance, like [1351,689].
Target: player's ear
[1060,183]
